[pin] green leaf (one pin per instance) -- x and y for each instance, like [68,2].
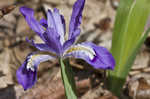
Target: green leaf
[130,21]
[68,79]
[136,49]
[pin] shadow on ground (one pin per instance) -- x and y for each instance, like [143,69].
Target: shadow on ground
[8,92]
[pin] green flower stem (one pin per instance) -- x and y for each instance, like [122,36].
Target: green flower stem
[68,79]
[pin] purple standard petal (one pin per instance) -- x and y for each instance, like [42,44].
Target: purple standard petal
[98,57]
[70,42]
[52,40]
[56,21]
[50,20]
[76,17]
[41,46]
[27,73]
[43,22]
[63,23]
[28,13]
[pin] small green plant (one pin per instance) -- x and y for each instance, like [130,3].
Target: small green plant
[128,36]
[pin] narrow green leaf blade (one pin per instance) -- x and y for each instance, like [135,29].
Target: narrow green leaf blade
[136,49]
[129,26]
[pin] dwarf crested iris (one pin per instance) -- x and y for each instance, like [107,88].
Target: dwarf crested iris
[52,31]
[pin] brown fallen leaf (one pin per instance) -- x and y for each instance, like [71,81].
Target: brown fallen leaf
[104,24]
[6,9]
[140,88]
[50,86]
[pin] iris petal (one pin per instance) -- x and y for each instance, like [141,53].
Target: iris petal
[52,40]
[50,20]
[27,73]
[76,17]
[28,13]
[43,22]
[41,46]
[70,42]
[57,22]
[98,57]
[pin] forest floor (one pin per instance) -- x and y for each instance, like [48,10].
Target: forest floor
[97,26]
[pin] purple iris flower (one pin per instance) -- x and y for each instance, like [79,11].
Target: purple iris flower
[52,32]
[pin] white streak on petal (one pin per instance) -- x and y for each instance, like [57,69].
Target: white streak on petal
[59,25]
[78,50]
[30,64]
[35,60]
